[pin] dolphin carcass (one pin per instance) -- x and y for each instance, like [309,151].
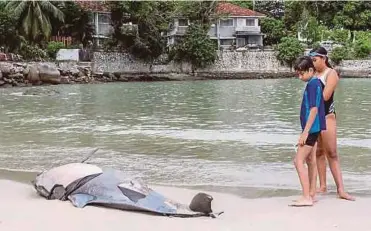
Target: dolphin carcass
[83,184]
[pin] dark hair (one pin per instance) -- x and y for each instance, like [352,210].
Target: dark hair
[322,51]
[303,63]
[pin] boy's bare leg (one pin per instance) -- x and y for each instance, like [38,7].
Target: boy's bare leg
[312,171]
[300,158]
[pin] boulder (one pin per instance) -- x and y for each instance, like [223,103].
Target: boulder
[69,70]
[8,80]
[17,76]
[49,74]
[74,71]
[3,57]
[33,74]
[6,68]
[26,70]
[65,80]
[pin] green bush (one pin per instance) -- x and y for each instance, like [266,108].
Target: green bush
[339,54]
[340,36]
[288,50]
[32,52]
[53,48]
[196,47]
[362,35]
[362,48]
[316,45]
[274,30]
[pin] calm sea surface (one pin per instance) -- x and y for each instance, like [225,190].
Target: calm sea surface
[233,136]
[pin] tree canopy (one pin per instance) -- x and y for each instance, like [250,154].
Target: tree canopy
[34,17]
[140,27]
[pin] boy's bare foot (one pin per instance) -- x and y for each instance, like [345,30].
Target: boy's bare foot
[302,202]
[346,196]
[314,199]
[322,190]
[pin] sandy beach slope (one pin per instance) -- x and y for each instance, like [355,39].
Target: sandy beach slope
[21,209]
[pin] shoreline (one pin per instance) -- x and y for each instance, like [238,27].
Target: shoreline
[174,77]
[25,177]
[28,74]
[244,192]
[23,209]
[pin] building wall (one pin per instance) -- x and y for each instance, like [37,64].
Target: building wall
[228,61]
[246,61]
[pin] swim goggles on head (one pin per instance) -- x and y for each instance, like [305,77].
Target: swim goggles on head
[312,54]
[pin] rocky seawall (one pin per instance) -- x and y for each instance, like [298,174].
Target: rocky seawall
[355,68]
[33,74]
[119,67]
[16,74]
[19,74]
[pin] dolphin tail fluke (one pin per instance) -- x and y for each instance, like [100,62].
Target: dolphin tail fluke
[215,215]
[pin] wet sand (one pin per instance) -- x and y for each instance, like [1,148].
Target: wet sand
[22,209]
[19,176]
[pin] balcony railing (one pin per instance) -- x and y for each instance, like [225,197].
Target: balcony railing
[248,29]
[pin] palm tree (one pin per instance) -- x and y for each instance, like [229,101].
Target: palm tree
[34,17]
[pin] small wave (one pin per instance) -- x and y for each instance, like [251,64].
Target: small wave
[17,93]
[255,138]
[19,170]
[42,120]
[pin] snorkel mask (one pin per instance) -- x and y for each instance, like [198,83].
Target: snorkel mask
[313,54]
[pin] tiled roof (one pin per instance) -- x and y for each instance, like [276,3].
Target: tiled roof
[100,6]
[222,8]
[234,10]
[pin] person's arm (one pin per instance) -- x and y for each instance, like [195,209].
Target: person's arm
[312,115]
[304,135]
[331,83]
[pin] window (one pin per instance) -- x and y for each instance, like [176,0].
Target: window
[183,22]
[104,20]
[250,22]
[226,22]
[241,42]
[226,42]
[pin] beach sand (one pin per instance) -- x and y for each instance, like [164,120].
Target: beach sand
[21,209]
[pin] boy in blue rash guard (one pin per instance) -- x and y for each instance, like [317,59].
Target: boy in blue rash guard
[312,119]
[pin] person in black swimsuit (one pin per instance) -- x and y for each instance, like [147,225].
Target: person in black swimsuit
[327,145]
[329,104]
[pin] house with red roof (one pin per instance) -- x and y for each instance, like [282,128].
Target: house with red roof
[238,27]
[101,18]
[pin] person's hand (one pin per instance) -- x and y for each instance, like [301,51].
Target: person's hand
[303,137]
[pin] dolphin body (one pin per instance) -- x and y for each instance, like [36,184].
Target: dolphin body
[83,184]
